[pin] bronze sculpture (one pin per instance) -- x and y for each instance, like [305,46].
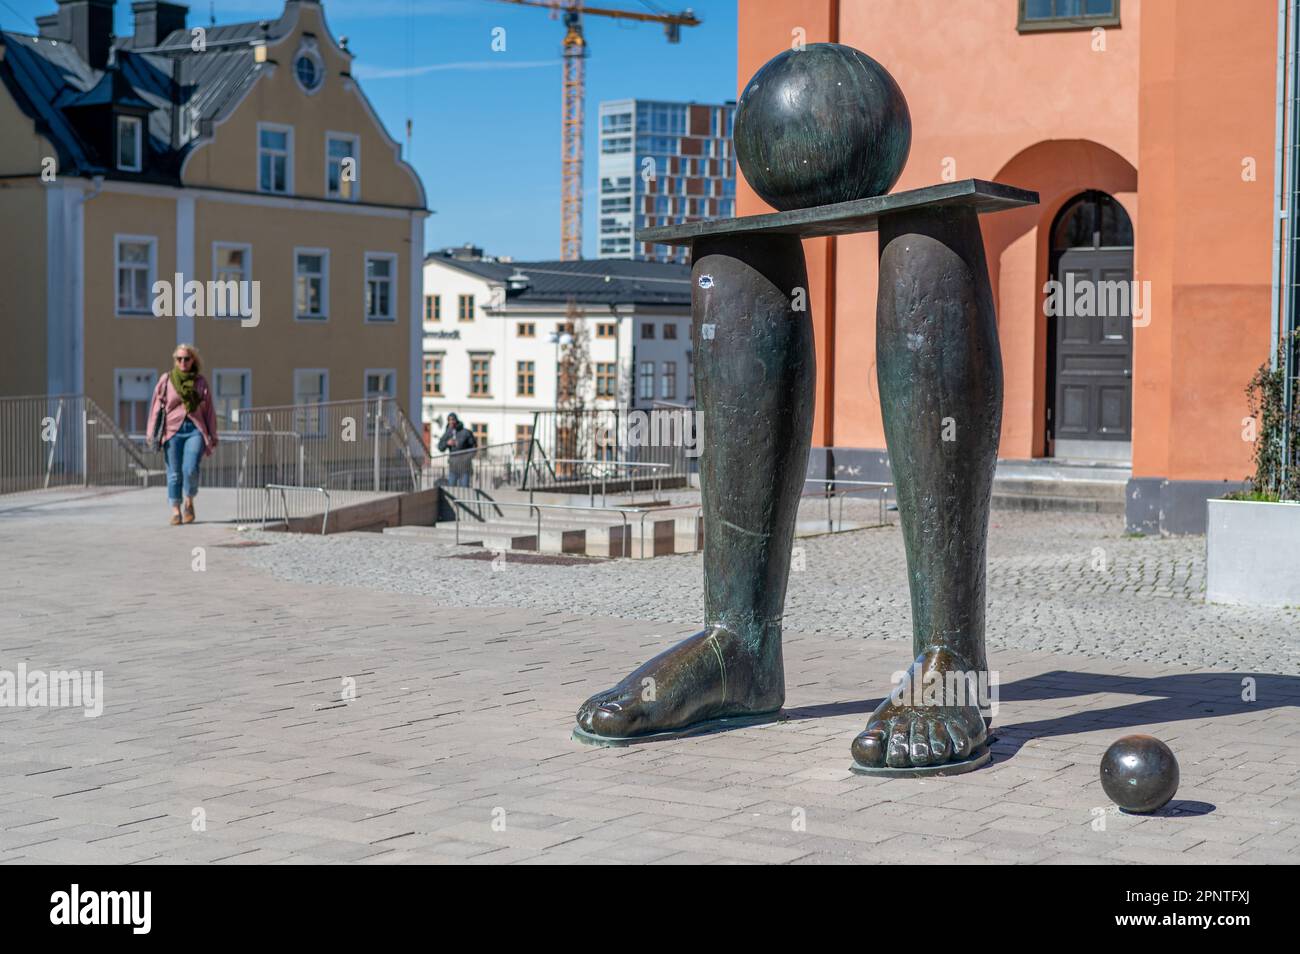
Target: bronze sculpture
[940,377]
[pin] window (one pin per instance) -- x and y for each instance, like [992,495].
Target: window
[646,381]
[606,379]
[307,69]
[381,276]
[607,329]
[130,143]
[311,284]
[433,308]
[480,375]
[465,308]
[381,383]
[480,432]
[433,375]
[526,329]
[310,390]
[525,379]
[274,158]
[668,381]
[670,331]
[232,267]
[564,328]
[231,392]
[136,257]
[342,166]
[132,393]
[1067,14]
[647,332]
[523,437]
[565,381]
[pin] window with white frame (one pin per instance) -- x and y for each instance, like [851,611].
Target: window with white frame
[310,390]
[231,262]
[232,391]
[381,280]
[311,284]
[130,143]
[132,394]
[342,166]
[274,158]
[135,259]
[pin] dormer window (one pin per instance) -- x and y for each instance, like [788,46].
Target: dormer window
[130,143]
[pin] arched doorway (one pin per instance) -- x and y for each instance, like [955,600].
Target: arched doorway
[1090,331]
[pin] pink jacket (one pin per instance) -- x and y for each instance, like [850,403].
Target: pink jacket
[204,416]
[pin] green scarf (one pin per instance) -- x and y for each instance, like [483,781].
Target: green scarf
[184,383]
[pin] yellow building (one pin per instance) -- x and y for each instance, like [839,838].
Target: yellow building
[244,158]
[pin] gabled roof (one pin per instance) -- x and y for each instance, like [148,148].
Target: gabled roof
[600,281]
[183,91]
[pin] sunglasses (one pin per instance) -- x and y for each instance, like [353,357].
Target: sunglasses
[184,357]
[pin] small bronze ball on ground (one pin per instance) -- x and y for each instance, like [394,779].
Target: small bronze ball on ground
[1139,774]
[821,125]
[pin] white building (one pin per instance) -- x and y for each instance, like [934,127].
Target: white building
[491,353]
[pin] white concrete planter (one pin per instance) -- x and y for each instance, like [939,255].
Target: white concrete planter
[1252,553]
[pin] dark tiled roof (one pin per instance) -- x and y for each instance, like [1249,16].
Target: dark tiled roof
[183,93]
[602,281]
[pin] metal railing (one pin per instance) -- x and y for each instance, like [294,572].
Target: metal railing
[485,468]
[563,440]
[65,440]
[285,490]
[361,445]
[830,490]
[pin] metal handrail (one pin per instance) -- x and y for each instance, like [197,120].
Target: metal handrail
[285,502]
[829,494]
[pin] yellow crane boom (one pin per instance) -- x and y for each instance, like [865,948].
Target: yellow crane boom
[574,94]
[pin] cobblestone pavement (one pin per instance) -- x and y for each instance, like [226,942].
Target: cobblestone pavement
[230,732]
[1063,583]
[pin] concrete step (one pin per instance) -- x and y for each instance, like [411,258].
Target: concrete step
[1043,502]
[1100,490]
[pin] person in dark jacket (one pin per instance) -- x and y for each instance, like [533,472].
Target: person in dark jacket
[459,443]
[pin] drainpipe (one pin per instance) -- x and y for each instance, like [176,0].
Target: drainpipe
[1280,197]
[1287,317]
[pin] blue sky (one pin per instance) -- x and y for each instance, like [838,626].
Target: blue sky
[487,124]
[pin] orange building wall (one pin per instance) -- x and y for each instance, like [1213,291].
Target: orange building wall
[1061,112]
[1207,101]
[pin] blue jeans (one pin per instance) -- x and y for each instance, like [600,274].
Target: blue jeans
[184,450]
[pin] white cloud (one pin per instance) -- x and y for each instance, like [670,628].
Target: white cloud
[363,72]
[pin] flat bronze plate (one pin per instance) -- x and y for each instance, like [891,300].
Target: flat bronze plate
[860,215]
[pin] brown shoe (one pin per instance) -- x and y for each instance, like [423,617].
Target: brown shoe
[189,513]
[176,520]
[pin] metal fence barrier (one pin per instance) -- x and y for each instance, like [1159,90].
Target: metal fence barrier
[65,440]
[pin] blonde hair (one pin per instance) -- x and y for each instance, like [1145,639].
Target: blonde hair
[194,353]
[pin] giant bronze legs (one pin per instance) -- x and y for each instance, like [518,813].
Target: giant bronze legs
[754,387]
[940,377]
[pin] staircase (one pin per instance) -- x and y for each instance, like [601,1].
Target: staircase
[1061,486]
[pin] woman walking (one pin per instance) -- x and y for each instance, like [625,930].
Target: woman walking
[185,424]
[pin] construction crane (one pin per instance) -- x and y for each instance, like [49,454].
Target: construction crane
[574,93]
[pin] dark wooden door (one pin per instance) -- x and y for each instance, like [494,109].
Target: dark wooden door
[1094,352]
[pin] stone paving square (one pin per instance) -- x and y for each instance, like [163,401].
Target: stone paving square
[227,698]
